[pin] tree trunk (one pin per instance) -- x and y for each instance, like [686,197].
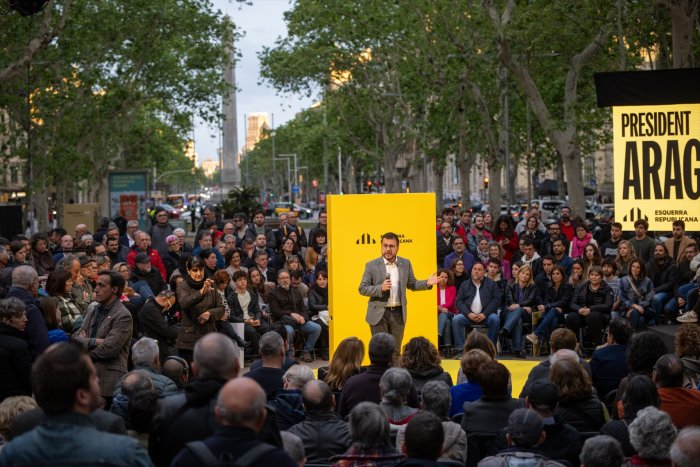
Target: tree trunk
[438,181]
[392,184]
[42,207]
[572,166]
[351,176]
[511,177]
[494,191]
[465,168]
[683,14]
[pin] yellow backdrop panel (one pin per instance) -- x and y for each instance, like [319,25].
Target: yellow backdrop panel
[355,226]
[657,165]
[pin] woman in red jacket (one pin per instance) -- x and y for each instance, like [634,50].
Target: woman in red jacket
[504,234]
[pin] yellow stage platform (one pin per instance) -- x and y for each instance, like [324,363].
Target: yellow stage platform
[519,369]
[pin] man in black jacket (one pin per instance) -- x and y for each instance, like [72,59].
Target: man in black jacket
[152,323]
[662,271]
[144,271]
[241,412]
[477,304]
[287,306]
[258,227]
[189,416]
[323,433]
[562,442]
[25,286]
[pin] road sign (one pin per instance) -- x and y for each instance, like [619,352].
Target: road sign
[295,189]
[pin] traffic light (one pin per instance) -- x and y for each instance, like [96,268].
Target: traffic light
[486,183]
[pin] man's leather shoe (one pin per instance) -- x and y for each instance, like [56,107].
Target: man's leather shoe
[520,354]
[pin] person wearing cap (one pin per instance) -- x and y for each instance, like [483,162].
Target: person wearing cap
[154,325]
[562,440]
[160,231]
[143,245]
[144,271]
[525,437]
[82,291]
[171,260]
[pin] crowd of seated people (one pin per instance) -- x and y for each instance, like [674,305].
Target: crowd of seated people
[540,277]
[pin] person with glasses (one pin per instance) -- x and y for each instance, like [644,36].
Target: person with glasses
[128,238]
[546,244]
[239,227]
[160,231]
[287,306]
[82,286]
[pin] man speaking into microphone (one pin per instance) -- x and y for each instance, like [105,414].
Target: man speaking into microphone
[385,281]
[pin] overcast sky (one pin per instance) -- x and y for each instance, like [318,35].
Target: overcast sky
[261,23]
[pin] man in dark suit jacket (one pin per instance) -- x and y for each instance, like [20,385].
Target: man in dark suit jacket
[477,304]
[385,281]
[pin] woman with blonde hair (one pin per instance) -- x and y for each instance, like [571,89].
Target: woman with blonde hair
[521,300]
[346,362]
[625,256]
[10,408]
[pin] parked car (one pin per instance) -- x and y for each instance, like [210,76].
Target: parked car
[456,207]
[547,207]
[303,212]
[172,212]
[286,206]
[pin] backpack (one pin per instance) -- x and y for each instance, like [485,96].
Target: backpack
[207,458]
[520,459]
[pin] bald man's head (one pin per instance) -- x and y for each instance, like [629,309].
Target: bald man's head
[242,403]
[317,395]
[215,356]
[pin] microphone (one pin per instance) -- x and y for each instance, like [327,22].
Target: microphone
[388,277]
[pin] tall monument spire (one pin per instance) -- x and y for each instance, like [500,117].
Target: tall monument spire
[230,170]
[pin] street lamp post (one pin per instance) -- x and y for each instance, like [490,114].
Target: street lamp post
[296,172]
[289,180]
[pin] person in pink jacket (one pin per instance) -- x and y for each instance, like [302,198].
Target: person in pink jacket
[446,296]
